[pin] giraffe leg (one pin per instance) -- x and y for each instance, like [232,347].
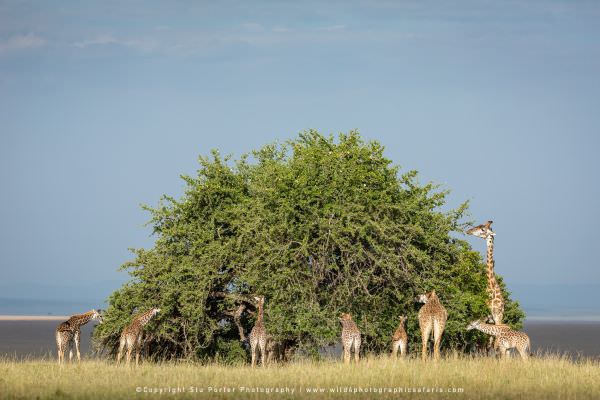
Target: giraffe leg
[59,347]
[357,349]
[77,339]
[403,349]
[130,343]
[493,347]
[395,346]
[61,355]
[70,350]
[523,352]
[438,330]
[253,350]
[128,356]
[425,332]
[263,351]
[120,353]
[347,353]
[503,351]
[138,349]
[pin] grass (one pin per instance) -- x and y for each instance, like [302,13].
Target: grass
[467,378]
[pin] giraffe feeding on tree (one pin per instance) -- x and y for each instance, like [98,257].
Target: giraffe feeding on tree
[506,338]
[68,333]
[131,338]
[495,297]
[258,335]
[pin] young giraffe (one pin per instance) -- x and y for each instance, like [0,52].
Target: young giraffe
[69,333]
[350,338]
[132,335]
[506,338]
[400,339]
[432,316]
[496,300]
[258,335]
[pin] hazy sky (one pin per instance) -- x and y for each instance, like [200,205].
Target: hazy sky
[104,104]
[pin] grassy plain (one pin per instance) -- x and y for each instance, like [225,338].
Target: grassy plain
[374,378]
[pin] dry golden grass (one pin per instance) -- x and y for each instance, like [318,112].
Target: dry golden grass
[466,378]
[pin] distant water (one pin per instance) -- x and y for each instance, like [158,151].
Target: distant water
[35,339]
[565,337]
[17,306]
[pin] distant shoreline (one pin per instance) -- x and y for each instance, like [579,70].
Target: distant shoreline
[532,319]
[33,317]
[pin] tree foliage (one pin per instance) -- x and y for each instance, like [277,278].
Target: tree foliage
[319,226]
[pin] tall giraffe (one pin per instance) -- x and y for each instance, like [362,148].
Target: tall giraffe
[258,335]
[495,297]
[506,338]
[69,333]
[132,335]
[432,317]
[350,337]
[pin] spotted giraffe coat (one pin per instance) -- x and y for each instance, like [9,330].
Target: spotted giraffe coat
[350,337]
[68,333]
[131,337]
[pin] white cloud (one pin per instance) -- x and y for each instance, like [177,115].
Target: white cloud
[107,39]
[252,26]
[332,28]
[98,40]
[17,42]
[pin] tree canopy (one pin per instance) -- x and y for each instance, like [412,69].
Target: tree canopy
[319,225]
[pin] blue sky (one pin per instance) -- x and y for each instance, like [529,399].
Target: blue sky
[104,104]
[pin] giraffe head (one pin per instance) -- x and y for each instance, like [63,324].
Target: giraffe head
[345,317]
[473,325]
[403,319]
[155,311]
[96,315]
[425,297]
[483,231]
[260,300]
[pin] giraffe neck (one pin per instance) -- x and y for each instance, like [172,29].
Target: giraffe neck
[490,261]
[80,319]
[433,300]
[259,319]
[145,318]
[348,324]
[489,329]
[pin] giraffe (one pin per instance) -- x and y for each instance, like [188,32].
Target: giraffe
[132,335]
[350,337]
[496,300]
[432,316]
[506,338]
[69,333]
[258,335]
[400,339]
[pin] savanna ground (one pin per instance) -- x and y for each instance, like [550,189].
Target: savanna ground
[379,378]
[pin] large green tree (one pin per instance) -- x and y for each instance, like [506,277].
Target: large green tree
[319,225]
